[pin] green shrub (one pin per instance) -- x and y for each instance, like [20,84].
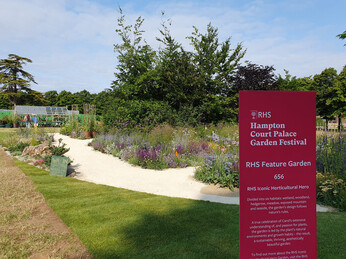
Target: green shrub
[47,160]
[19,147]
[187,115]
[60,149]
[24,133]
[331,190]
[222,169]
[331,154]
[132,113]
[10,140]
[34,142]
[71,124]
[161,135]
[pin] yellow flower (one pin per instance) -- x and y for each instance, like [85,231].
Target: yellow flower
[325,189]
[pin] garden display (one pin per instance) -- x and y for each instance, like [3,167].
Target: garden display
[33,146]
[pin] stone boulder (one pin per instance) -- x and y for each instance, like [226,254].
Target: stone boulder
[39,150]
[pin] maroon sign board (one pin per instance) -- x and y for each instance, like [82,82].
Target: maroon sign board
[277,153]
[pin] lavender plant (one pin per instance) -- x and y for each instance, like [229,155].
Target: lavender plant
[331,154]
[163,147]
[220,169]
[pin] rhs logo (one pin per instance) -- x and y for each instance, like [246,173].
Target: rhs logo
[256,114]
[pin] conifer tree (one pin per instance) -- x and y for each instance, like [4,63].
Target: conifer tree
[13,78]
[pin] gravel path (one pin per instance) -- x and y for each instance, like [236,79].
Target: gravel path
[94,166]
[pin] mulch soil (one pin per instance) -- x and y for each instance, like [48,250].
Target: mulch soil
[29,228]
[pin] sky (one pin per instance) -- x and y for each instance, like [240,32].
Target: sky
[71,42]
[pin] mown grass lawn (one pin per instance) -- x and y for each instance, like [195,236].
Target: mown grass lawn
[117,223]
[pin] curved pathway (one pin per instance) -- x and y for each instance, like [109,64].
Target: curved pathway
[94,166]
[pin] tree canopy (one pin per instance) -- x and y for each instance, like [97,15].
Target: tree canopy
[330,93]
[13,78]
[172,84]
[190,83]
[342,36]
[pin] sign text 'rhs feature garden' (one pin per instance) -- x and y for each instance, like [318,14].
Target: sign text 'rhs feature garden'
[277,132]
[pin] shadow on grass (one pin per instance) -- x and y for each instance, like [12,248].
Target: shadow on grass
[203,230]
[118,223]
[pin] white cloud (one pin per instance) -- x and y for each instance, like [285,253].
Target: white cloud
[70,49]
[71,42]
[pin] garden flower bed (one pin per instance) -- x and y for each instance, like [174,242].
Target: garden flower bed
[33,146]
[331,168]
[213,150]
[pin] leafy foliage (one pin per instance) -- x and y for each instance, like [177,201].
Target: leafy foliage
[331,190]
[60,149]
[330,165]
[163,146]
[342,36]
[255,77]
[330,93]
[138,112]
[331,154]
[13,78]
[292,83]
[178,81]
[65,98]
[221,170]
[18,147]
[51,97]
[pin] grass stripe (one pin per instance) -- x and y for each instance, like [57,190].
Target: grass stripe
[118,223]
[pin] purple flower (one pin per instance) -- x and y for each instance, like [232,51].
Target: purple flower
[215,137]
[194,148]
[120,146]
[204,146]
[145,153]
[98,146]
[180,149]
[169,159]
[157,148]
[173,164]
[182,164]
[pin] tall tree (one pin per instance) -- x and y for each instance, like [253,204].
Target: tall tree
[292,83]
[5,103]
[255,77]
[103,100]
[196,82]
[34,98]
[51,97]
[177,77]
[65,98]
[136,60]
[327,90]
[13,78]
[251,77]
[339,100]
[81,98]
[216,61]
